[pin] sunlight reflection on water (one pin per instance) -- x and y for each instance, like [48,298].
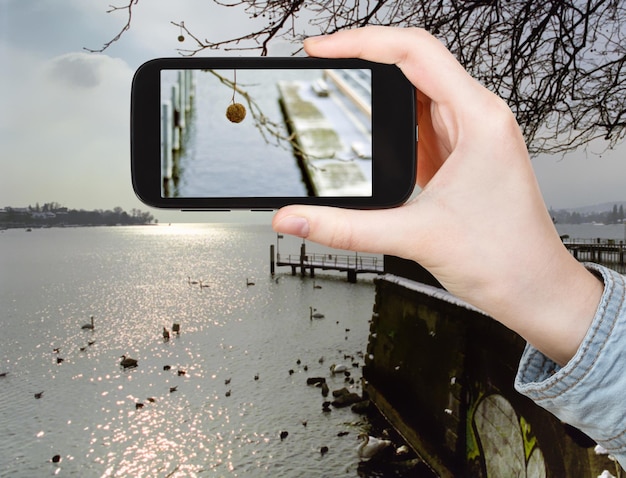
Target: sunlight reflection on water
[135,281]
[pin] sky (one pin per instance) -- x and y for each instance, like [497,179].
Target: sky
[64,112]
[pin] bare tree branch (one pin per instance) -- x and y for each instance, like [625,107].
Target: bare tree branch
[559,64]
[125,28]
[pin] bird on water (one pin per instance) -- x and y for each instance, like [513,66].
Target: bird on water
[128,362]
[370,446]
[88,326]
[341,368]
[315,315]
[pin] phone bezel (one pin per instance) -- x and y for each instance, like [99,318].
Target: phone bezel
[393,140]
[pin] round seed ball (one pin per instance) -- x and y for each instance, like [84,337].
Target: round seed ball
[236,112]
[181,38]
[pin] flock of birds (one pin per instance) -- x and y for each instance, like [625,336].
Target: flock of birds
[369,448]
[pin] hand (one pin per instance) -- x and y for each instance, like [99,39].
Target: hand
[479,225]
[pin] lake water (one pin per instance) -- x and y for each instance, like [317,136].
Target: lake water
[135,281]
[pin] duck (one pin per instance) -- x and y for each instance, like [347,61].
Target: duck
[128,362]
[370,446]
[88,326]
[203,286]
[166,334]
[315,315]
[249,282]
[316,286]
[38,395]
[191,282]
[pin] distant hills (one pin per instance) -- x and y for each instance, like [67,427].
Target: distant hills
[597,208]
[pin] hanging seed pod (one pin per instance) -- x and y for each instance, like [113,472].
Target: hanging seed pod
[181,38]
[236,113]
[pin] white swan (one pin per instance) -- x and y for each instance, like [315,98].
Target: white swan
[88,326]
[370,446]
[341,368]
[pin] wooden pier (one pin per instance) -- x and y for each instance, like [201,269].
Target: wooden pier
[175,114]
[351,264]
[602,251]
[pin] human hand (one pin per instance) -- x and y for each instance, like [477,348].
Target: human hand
[479,225]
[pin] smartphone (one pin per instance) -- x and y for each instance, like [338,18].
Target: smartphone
[260,133]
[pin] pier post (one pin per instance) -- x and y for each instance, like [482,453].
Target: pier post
[166,139]
[302,257]
[272,263]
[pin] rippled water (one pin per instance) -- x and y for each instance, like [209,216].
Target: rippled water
[134,280]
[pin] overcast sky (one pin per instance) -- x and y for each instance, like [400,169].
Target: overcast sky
[64,121]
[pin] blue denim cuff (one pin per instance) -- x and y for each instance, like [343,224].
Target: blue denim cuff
[589,391]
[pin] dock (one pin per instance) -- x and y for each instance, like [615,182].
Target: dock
[351,264]
[175,115]
[602,251]
[329,118]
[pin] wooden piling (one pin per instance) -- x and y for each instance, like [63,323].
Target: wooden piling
[174,114]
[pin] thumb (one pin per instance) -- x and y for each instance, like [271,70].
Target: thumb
[347,229]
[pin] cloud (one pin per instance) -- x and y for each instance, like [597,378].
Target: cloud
[67,137]
[78,69]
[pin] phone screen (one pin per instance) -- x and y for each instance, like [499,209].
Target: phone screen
[277,132]
[260,133]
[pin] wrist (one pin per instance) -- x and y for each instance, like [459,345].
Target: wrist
[553,309]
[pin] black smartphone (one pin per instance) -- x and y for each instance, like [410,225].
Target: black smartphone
[261,133]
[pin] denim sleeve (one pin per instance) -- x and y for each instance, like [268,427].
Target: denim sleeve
[589,391]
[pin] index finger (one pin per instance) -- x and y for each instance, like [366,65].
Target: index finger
[423,59]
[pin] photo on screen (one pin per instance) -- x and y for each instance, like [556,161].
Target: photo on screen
[266,133]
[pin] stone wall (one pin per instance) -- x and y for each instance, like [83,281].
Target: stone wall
[442,373]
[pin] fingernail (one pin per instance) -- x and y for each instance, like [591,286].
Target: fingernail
[293,225]
[315,39]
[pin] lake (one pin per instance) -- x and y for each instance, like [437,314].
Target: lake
[135,281]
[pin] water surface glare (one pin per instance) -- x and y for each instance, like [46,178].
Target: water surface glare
[228,393]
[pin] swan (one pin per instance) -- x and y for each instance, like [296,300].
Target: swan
[88,326]
[128,362]
[341,368]
[249,282]
[202,286]
[191,282]
[370,446]
[315,315]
